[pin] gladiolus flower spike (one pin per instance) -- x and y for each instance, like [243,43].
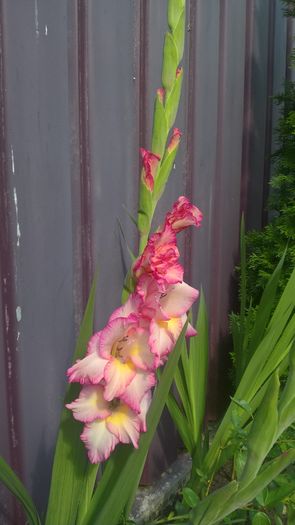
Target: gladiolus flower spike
[118,372]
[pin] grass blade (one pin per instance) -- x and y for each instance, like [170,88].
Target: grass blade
[198,368]
[13,483]
[71,472]
[265,307]
[181,423]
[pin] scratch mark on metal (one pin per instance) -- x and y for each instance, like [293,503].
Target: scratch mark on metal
[18,233]
[18,313]
[12,160]
[46,30]
[36,19]
[6,318]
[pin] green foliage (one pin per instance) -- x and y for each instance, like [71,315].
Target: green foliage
[13,483]
[265,248]
[73,477]
[289,7]
[253,437]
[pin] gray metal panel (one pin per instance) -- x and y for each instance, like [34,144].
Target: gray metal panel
[38,136]
[80,79]
[259,99]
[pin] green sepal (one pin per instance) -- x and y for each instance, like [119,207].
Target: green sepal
[13,483]
[170,62]
[179,36]
[145,209]
[164,172]
[160,128]
[175,8]
[172,102]
[128,287]
[263,431]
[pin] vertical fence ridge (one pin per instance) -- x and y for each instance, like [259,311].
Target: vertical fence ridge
[269,111]
[190,128]
[247,117]
[84,150]
[8,290]
[215,270]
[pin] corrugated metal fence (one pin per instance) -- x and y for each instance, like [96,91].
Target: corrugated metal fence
[77,81]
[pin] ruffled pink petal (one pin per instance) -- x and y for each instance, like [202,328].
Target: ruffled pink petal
[93,343]
[183,214]
[90,404]
[130,307]
[117,376]
[136,390]
[178,299]
[174,274]
[99,441]
[124,424]
[89,370]
[112,334]
[163,335]
[190,332]
[139,352]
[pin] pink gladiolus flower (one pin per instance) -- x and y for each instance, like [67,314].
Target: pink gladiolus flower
[150,163]
[107,423]
[160,258]
[125,346]
[175,139]
[167,307]
[183,214]
[118,371]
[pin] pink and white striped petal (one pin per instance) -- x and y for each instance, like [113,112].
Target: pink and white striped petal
[99,441]
[89,370]
[178,299]
[136,390]
[124,424]
[90,404]
[117,376]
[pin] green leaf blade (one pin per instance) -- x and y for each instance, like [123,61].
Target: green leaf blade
[70,471]
[15,486]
